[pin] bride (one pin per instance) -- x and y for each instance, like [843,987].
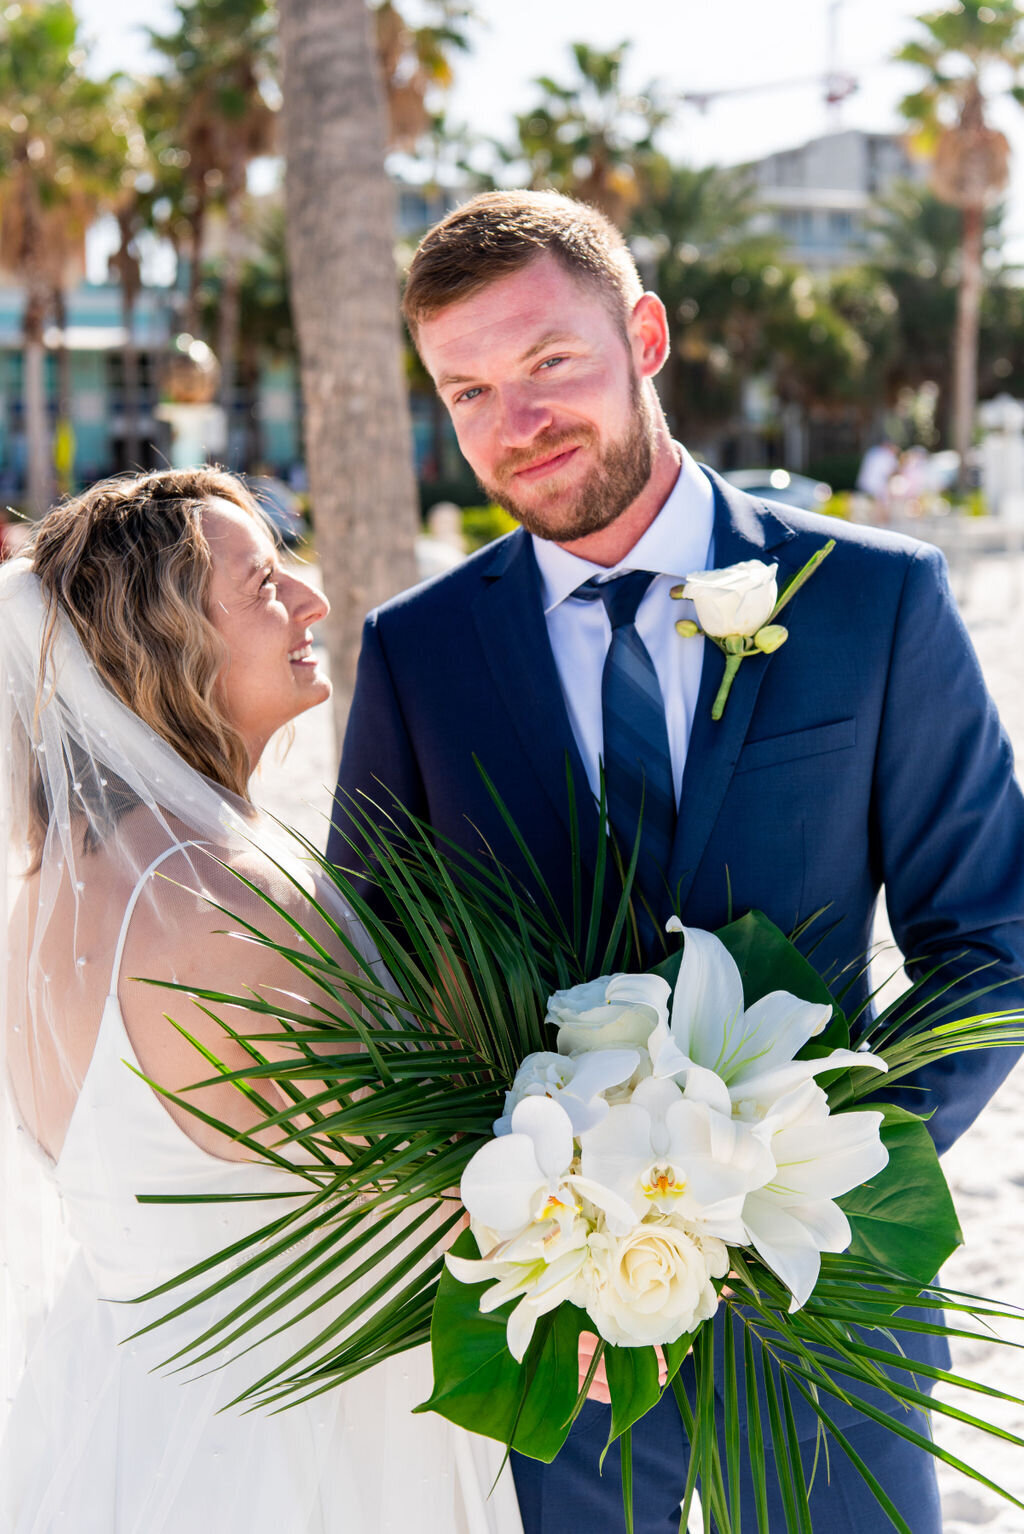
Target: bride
[151,642]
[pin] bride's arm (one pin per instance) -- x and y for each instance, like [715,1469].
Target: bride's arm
[178,935]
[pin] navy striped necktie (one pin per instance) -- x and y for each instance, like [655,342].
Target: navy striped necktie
[637,760]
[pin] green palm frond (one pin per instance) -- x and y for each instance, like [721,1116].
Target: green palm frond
[395,1073]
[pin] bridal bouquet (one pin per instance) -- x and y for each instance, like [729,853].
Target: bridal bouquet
[648,1157]
[669,1126]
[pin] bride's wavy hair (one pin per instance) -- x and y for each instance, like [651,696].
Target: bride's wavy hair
[127,563]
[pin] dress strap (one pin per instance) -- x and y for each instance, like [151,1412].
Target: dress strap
[132,902]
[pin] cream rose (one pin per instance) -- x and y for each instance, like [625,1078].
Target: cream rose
[613,1012]
[650,1286]
[736,600]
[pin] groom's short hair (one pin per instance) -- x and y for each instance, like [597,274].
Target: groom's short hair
[498,233]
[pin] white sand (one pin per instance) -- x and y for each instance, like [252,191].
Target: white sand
[986,1168]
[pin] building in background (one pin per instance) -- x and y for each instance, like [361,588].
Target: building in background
[817,198]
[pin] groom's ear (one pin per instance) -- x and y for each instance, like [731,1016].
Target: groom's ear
[647,328]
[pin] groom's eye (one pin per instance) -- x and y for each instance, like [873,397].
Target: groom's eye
[550,362]
[468,394]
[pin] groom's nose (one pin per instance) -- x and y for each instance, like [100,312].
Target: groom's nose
[523,416]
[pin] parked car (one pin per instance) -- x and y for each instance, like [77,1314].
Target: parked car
[780,485]
[281,507]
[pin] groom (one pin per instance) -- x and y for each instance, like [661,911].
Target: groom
[865,751]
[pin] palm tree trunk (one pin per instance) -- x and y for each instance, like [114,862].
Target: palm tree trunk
[197,229]
[965,363]
[227,327]
[128,270]
[341,220]
[249,369]
[39,487]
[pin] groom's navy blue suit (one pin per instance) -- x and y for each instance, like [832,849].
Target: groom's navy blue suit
[865,751]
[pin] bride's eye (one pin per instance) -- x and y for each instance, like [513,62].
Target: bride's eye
[270,579]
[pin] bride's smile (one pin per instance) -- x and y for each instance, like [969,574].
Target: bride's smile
[263,614]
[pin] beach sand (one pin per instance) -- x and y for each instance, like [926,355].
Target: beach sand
[986,1168]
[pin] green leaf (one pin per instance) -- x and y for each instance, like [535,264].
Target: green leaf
[904,1218]
[755,1435]
[633,1384]
[479,1385]
[675,1353]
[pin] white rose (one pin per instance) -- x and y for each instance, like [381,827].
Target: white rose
[613,1012]
[736,600]
[650,1286]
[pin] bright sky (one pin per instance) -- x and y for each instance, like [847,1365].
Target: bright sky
[768,56]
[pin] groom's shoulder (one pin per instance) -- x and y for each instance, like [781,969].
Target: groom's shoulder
[857,546]
[443,598]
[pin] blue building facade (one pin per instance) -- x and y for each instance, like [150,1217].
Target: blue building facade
[265,416]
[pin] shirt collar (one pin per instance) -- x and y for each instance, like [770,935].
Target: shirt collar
[676,543]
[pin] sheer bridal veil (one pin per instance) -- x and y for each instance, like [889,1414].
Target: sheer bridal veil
[90,796]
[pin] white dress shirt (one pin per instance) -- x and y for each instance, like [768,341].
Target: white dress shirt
[678,541]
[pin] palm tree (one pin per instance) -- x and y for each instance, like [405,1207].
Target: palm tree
[221,57]
[57,144]
[970,160]
[415,65]
[590,138]
[340,223]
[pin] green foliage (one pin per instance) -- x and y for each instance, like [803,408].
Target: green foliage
[590,137]
[953,45]
[62,147]
[904,1218]
[482,524]
[737,309]
[392,1091]
[479,1385]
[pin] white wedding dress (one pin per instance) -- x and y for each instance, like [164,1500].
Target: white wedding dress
[99,1443]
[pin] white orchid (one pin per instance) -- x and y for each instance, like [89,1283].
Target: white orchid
[818,1156]
[577,1085]
[521,1187]
[541,1265]
[682,1157]
[521,1177]
[613,1012]
[750,1049]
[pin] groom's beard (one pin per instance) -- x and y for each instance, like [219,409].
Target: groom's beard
[618,477]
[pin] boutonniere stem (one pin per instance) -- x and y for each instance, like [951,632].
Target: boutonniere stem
[737,608]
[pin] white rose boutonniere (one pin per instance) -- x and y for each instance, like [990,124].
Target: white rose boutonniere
[736,609]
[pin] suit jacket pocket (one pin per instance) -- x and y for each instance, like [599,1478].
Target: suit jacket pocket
[816,741]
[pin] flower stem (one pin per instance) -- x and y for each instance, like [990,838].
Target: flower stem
[732,665]
[801,577]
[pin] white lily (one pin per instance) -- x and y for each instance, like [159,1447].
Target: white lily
[818,1156]
[523,1176]
[577,1085]
[750,1049]
[681,1157]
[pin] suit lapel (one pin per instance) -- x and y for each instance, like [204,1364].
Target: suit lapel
[513,636]
[743,529]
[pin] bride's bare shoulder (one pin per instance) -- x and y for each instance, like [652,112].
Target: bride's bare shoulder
[205,903]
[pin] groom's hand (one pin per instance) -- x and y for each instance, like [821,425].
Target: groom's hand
[599,1384]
